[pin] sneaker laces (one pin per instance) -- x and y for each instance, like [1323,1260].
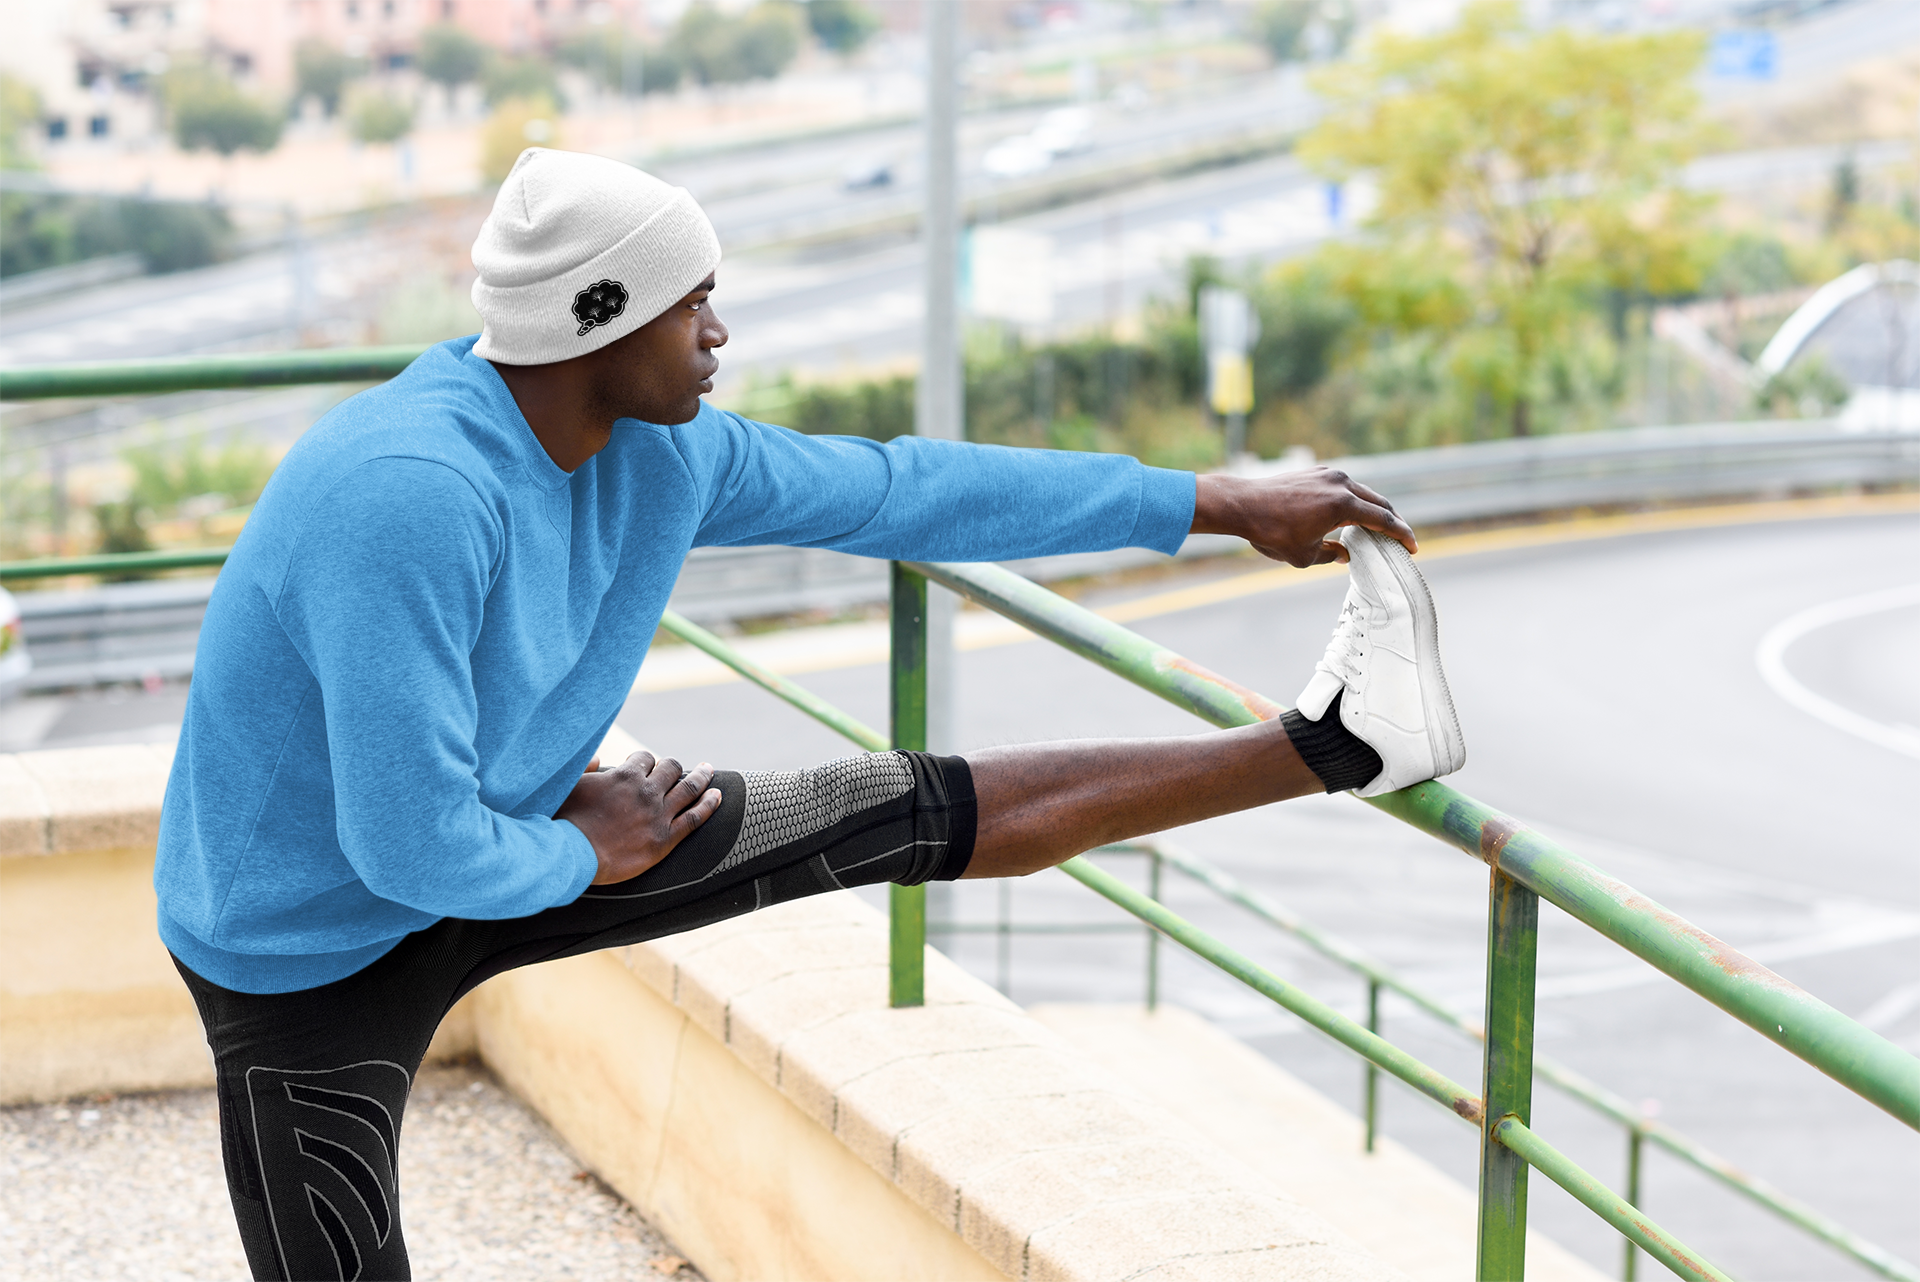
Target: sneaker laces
[1343,651]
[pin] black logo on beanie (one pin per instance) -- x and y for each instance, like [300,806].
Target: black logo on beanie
[599,303]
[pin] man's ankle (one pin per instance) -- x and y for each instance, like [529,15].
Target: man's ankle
[1339,759]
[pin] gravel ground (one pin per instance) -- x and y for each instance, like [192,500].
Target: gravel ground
[130,1188]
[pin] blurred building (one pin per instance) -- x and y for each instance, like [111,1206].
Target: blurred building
[93,62]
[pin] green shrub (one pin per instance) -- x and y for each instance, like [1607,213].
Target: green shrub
[168,474]
[602,54]
[841,25]
[718,49]
[19,111]
[172,237]
[1280,26]
[210,113]
[321,72]
[39,230]
[449,56]
[380,117]
[528,77]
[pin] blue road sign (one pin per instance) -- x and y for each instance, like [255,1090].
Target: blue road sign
[1744,55]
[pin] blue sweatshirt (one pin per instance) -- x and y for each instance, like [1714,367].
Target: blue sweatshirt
[427,627]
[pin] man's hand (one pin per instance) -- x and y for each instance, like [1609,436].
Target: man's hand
[637,812]
[1288,517]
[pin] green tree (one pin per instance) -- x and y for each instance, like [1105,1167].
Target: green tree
[603,54]
[526,77]
[757,45]
[841,25]
[449,56]
[379,117]
[173,236]
[19,111]
[1521,174]
[211,113]
[1292,30]
[321,72]
[166,475]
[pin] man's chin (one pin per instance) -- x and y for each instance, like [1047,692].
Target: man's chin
[687,413]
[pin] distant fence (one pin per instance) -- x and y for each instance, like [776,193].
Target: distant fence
[129,631]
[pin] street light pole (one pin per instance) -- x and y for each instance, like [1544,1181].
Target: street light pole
[938,405]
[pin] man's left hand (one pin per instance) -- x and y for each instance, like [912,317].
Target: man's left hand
[1288,517]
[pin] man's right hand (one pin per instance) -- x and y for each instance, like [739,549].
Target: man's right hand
[637,812]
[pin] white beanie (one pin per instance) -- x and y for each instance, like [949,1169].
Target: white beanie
[579,251]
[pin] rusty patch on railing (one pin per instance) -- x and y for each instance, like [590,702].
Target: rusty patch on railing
[1473,1110]
[1255,703]
[1495,832]
[1711,948]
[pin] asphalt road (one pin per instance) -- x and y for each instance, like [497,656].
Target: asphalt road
[1610,694]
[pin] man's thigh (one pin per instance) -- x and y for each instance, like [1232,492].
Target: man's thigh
[778,836]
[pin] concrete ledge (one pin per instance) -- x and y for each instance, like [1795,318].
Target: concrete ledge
[1392,1202]
[89,999]
[745,1086]
[986,1124]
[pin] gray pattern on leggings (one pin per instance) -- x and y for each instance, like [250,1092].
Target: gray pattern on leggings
[784,806]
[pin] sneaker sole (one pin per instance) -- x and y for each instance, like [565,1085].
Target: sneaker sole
[1444,736]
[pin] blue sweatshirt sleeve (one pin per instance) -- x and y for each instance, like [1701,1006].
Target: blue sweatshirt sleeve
[384,597]
[920,498]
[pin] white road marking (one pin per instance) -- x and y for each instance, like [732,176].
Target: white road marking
[1889,1010]
[1873,928]
[1771,660]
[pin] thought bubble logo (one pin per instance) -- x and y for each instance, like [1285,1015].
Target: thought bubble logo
[599,303]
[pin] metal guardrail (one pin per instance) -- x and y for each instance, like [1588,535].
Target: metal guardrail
[1525,867]
[1637,465]
[106,634]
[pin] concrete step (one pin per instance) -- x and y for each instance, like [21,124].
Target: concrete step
[1391,1203]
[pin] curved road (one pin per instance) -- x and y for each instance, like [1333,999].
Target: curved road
[1611,694]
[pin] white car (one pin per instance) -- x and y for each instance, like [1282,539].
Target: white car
[1066,131]
[1016,157]
[14,661]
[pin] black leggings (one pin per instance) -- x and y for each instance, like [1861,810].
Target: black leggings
[312,1084]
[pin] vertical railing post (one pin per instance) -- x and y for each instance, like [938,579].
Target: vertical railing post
[907,689]
[1513,939]
[1372,1087]
[1153,936]
[1630,1257]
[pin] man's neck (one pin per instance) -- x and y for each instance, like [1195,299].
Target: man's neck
[553,400]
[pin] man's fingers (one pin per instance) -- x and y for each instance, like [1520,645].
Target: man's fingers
[1385,521]
[640,762]
[693,816]
[692,785]
[593,767]
[665,774]
[1370,494]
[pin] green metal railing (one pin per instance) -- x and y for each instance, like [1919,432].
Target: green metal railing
[1524,867]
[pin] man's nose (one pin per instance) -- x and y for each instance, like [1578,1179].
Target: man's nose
[715,334]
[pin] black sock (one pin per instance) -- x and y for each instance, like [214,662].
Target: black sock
[1338,757]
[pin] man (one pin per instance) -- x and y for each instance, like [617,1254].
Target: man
[384,793]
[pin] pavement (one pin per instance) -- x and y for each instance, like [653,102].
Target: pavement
[105,1189]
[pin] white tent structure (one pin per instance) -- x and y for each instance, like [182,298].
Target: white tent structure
[1866,326]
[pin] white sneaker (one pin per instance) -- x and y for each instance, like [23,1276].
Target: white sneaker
[1385,656]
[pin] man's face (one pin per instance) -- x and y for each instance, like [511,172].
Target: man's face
[658,373]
